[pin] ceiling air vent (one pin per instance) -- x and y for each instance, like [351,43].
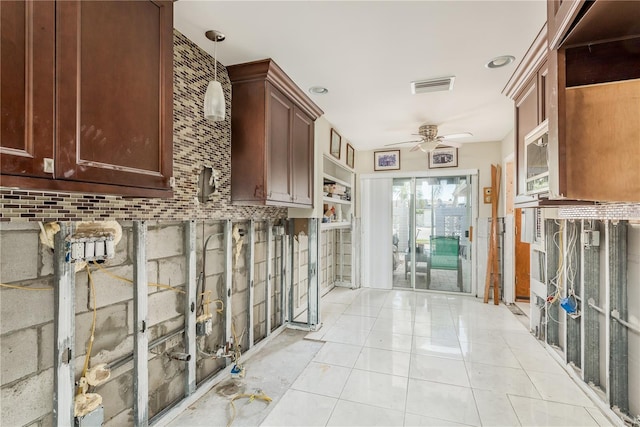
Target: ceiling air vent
[432,85]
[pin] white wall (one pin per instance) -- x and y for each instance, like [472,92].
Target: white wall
[470,156]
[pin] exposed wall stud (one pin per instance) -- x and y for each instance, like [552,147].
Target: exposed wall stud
[64,321]
[607,308]
[140,319]
[341,255]
[552,333]
[290,290]
[619,340]
[268,285]
[251,261]
[313,266]
[573,261]
[190,308]
[228,280]
[591,320]
[283,278]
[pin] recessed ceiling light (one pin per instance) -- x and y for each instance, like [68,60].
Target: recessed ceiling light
[318,90]
[500,61]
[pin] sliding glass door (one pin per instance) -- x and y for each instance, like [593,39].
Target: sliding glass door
[431,228]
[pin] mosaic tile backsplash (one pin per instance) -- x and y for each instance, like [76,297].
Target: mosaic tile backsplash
[610,211]
[197,143]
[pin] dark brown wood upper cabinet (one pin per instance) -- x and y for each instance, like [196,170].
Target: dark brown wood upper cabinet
[278,146]
[588,87]
[527,118]
[302,154]
[27,81]
[112,64]
[272,132]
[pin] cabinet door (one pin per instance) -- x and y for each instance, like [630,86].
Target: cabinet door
[279,118]
[27,78]
[114,92]
[302,155]
[543,91]
[526,120]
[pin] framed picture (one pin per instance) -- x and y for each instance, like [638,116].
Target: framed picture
[386,160]
[334,147]
[446,157]
[350,155]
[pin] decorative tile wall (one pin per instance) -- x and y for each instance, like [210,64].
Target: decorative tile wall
[611,211]
[196,143]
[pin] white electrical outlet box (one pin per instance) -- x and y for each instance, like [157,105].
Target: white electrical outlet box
[204,325]
[591,238]
[94,248]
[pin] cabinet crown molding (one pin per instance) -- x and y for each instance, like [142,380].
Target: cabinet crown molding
[267,69]
[531,61]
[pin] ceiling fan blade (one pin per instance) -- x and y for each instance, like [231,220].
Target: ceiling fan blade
[405,142]
[456,135]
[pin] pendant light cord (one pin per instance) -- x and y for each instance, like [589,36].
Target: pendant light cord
[215,59]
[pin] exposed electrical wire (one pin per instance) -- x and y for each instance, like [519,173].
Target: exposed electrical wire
[25,288]
[93,328]
[259,394]
[124,279]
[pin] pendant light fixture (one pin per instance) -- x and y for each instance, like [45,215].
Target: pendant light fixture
[214,105]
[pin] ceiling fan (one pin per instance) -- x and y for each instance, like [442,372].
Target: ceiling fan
[429,139]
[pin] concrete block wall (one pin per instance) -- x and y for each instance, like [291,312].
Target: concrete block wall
[260,282]
[26,318]
[26,328]
[212,278]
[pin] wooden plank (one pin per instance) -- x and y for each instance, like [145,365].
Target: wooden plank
[494,215]
[492,255]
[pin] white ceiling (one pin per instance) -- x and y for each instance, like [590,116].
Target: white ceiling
[367,53]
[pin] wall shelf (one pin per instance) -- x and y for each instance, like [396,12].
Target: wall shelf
[333,200]
[335,225]
[328,177]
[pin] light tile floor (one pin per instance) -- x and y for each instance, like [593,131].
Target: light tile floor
[404,358]
[407,358]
